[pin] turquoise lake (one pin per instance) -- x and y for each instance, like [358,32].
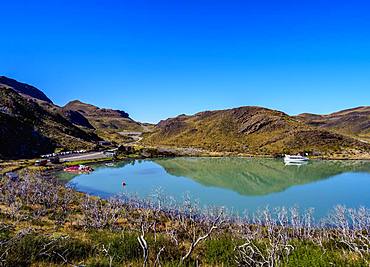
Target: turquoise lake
[236,183]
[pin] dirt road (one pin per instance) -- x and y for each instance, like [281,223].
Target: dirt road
[85,156]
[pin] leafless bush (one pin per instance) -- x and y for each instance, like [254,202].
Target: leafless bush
[351,228]
[147,223]
[157,259]
[268,243]
[107,252]
[268,235]
[185,221]
[50,249]
[143,244]
[42,194]
[98,213]
[211,225]
[7,244]
[194,224]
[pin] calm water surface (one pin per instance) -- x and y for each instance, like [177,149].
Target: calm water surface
[236,183]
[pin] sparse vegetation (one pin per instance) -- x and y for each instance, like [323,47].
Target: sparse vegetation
[353,122]
[46,224]
[107,122]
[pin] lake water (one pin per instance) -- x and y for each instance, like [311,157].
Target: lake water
[236,183]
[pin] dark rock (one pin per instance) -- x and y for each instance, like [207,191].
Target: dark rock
[24,89]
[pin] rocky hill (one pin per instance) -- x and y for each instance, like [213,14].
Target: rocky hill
[27,129]
[251,130]
[32,124]
[354,122]
[104,119]
[23,89]
[35,94]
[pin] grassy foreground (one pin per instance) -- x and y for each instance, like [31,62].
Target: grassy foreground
[45,224]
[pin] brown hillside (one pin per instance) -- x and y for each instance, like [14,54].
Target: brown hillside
[252,130]
[104,119]
[354,122]
[27,129]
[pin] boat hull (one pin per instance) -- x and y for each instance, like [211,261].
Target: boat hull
[295,159]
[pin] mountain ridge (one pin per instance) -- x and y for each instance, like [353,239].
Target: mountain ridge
[28,129]
[250,129]
[103,118]
[354,121]
[24,89]
[92,110]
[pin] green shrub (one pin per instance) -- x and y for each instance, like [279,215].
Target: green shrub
[34,247]
[122,247]
[220,250]
[310,255]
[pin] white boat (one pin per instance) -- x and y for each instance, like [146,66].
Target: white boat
[295,159]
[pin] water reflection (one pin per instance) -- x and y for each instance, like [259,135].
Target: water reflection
[257,176]
[286,163]
[236,183]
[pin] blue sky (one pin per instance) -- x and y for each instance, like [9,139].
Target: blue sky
[158,59]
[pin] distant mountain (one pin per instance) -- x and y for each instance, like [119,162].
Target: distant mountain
[253,130]
[31,124]
[23,88]
[93,111]
[354,121]
[104,119]
[27,129]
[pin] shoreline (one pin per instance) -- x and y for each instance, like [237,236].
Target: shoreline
[19,164]
[192,151]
